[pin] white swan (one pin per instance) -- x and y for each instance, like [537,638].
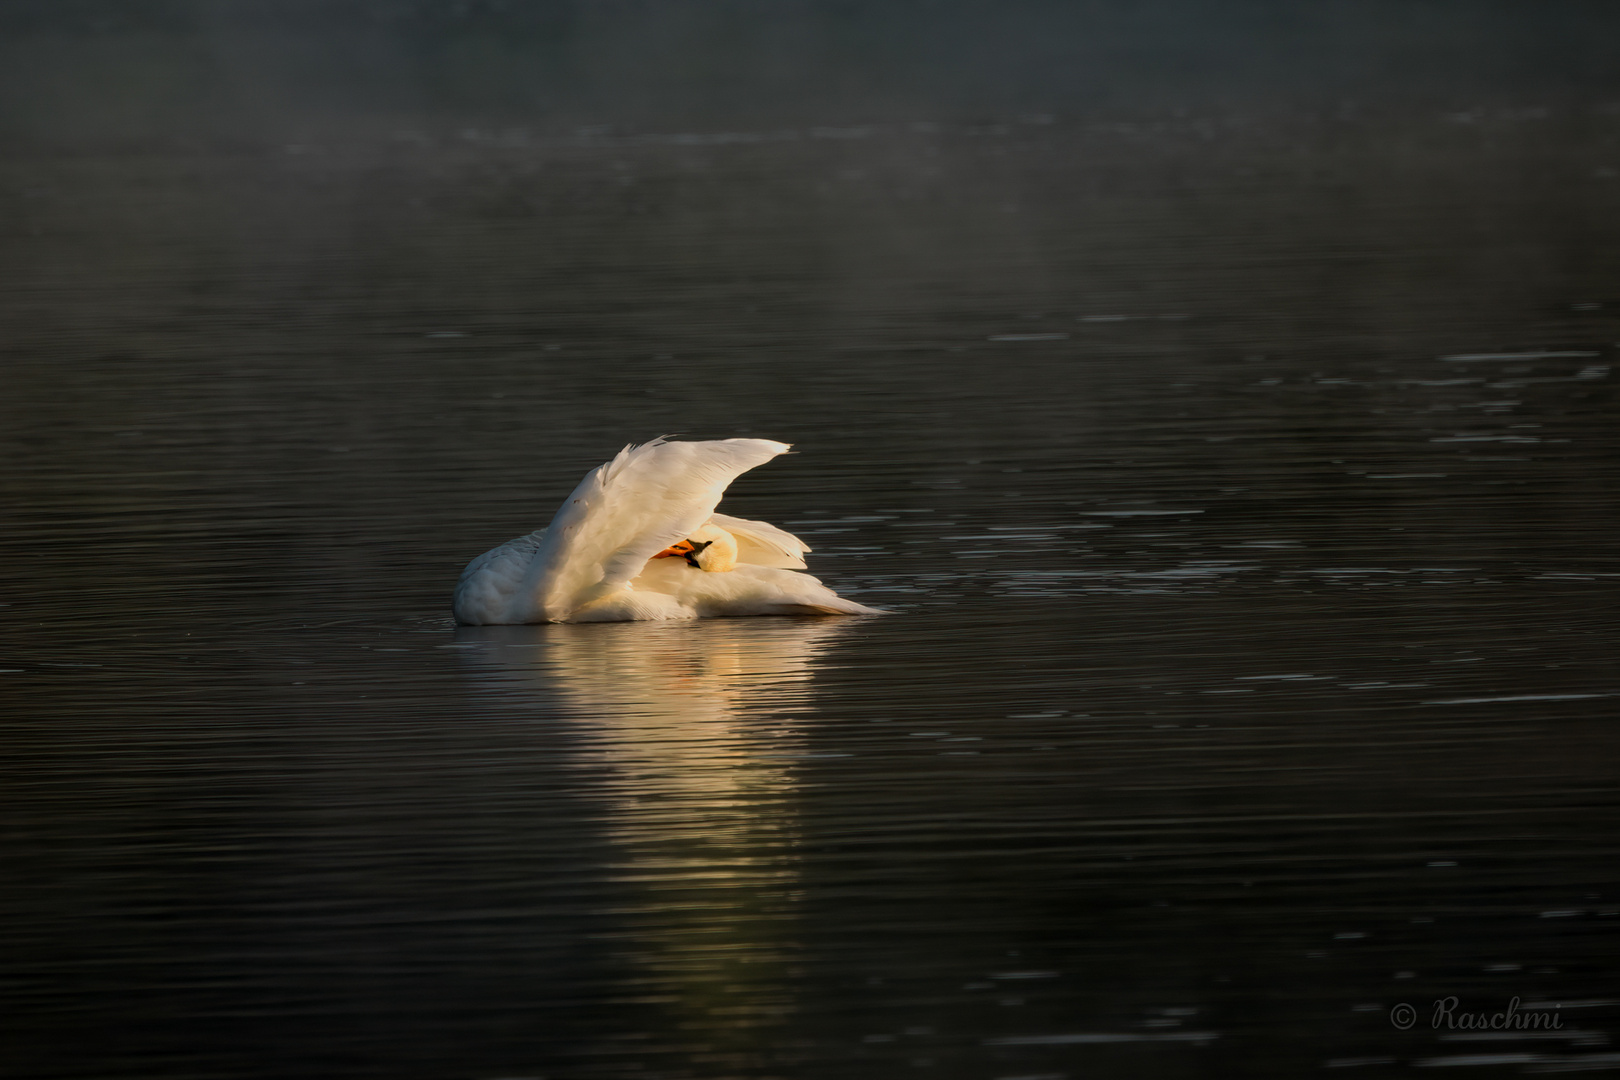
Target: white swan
[639,539]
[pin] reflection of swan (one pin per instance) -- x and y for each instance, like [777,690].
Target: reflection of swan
[639,539]
[689,741]
[693,716]
[689,702]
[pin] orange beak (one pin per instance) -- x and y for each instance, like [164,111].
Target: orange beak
[677,551]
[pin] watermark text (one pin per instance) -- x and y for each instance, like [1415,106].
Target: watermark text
[1448,1015]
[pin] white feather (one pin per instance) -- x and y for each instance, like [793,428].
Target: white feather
[595,560]
[762,543]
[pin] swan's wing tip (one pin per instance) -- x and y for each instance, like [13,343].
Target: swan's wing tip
[773,446]
[765,449]
[844,606]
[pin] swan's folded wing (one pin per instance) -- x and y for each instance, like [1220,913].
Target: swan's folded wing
[763,544]
[751,590]
[625,512]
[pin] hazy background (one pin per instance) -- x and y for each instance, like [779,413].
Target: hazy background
[157,73]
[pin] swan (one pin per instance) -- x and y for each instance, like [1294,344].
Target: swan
[639,539]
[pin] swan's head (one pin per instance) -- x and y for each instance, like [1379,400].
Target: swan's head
[711,548]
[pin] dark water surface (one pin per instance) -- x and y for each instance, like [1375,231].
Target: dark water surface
[1244,489]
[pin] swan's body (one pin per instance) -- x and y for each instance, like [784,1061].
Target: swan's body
[639,539]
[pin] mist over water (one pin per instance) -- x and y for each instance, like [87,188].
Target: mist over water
[1221,396]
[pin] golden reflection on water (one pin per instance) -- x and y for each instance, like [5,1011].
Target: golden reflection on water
[690,733]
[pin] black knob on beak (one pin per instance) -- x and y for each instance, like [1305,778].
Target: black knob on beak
[697,549]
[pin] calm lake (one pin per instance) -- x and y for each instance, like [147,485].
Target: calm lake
[1243,485]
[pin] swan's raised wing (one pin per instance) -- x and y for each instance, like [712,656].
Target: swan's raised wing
[763,544]
[625,512]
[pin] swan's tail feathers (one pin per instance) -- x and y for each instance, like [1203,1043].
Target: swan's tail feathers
[490,590]
[763,544]
[625,512]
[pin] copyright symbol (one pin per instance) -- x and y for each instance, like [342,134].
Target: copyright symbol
[1403,1016]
